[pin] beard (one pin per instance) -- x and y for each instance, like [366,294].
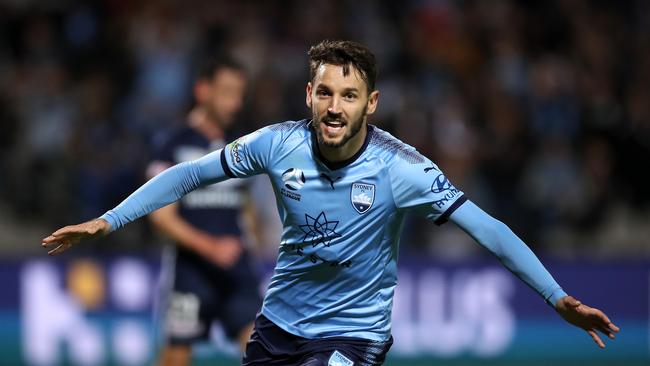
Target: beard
[352,128]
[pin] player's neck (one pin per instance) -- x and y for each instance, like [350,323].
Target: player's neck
[348,150]
[200,122]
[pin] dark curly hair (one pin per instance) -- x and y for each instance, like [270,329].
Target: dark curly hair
[344,53]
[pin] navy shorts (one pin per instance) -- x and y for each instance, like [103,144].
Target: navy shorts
[203,292]
[271,345]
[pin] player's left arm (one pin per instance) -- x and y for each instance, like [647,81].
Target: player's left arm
[515,255]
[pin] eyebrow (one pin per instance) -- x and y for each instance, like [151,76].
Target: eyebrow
[346,90]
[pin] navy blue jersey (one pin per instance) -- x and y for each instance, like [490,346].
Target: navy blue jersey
[215,208]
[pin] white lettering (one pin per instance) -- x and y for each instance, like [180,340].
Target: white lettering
[131,342]
[362,186]
[214,199]
[130,284]
[51,317]
[447,315]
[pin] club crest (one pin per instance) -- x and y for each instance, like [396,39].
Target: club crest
[362,196]
[337,359]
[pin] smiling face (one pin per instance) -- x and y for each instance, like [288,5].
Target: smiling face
[340,105]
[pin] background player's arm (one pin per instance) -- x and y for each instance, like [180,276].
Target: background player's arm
[253,224]
[518,258]
[221,250]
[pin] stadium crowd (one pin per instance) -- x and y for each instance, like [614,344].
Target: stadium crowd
[538,111]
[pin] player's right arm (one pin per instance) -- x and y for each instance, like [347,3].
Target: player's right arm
[162,190]
[220,250]
[244,157]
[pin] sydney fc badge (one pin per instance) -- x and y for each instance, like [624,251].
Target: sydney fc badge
[362,196]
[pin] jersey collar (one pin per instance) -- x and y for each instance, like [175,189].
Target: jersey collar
[339,164]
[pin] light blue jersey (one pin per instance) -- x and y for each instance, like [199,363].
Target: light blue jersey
[337,266]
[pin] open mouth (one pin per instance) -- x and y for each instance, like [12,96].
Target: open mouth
[333,126]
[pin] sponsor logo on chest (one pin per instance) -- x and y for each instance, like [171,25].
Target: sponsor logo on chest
[293,180]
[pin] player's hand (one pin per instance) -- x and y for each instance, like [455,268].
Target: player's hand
[224,251]
[590,319]
[64,238]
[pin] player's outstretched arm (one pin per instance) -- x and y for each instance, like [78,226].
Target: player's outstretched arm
[64,238]
[165,188]
[590,319]
[515,255]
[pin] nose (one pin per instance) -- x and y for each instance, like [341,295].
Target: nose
[334,107]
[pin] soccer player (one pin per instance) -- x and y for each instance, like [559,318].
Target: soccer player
[212,278]
[342,188]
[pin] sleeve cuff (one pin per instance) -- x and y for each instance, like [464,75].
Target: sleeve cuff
[556,296]
[224,164]
[108,216]
[445,215]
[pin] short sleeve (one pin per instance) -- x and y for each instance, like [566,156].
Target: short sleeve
[248,155]
[424,188]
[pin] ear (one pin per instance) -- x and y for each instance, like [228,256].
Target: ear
[308,97]
[372,102]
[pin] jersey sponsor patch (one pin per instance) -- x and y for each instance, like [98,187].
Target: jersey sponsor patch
[444,190]
[441,184]
[235,150]
[293,178]
[337,359]
[362,196]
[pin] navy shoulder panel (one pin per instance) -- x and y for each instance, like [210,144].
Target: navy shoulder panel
[288,125]
[385,141]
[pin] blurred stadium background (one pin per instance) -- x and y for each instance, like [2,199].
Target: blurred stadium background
[539,111]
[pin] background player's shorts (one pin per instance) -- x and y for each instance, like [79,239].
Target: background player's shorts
[203,292]
[271,345]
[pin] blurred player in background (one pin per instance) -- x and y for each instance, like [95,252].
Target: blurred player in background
[210,269]
[343,187]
